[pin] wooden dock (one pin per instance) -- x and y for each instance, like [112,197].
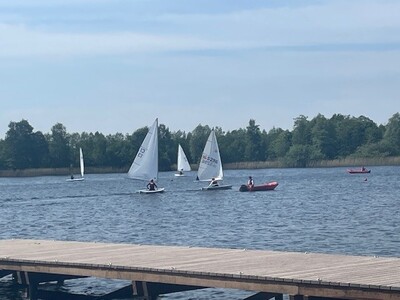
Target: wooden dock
[161,269]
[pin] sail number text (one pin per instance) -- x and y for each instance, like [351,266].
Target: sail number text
[141,152]
[208,160]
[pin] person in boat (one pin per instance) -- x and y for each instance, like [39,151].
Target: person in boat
[72,176]
[180,172]
[250,182]
[363,169]
[151,186]
[213,182]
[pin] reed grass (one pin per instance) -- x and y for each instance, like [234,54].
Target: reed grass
[345,162]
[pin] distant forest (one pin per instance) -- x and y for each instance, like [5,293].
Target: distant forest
[339,137]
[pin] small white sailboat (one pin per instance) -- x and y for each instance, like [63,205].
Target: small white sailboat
[145,164]
[182,163]
[82,168]
[210,167]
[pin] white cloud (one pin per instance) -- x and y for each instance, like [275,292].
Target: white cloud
[168,62]
[36,3]
[323,23]
[21,41]
[334,23]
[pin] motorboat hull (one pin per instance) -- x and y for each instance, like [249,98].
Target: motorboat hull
[352,171]
[269,186]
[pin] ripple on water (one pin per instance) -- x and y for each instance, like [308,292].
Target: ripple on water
[314,210]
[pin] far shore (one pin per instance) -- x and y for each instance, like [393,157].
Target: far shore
[346,162]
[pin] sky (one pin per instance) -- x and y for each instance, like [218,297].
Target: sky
[114,66]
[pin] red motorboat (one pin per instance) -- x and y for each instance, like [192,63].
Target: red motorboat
[269,186]
[359,171]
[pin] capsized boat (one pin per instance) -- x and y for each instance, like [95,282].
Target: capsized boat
[268,186]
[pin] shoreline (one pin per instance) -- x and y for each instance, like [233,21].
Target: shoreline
[346,162]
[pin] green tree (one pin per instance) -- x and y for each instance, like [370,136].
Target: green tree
[392,135]
[166,148]
[233,145]
[302,131]
[118,151]
[253,151]
[39,150]
[323,137]
[99,149]
[347,134]
[298,156]
[59,150]
[198,140]
[23,148]
[3,164]
[371,131]
[279,141]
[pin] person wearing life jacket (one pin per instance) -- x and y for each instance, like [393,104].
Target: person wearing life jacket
[151,186]
[213,182]
[250,182]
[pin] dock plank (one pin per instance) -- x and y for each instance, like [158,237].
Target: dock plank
[215,267]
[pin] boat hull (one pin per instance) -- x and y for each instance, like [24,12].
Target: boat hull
[146,191]
[179,175]
[358,171]
[76,179]
[269,186]
[217,187]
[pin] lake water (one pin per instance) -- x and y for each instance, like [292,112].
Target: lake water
[316,210]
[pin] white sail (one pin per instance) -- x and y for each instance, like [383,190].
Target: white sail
[81,162]
[210,164]
[145,164]
[183,163]
[82,167]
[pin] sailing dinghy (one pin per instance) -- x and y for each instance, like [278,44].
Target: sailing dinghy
[82,168]
[145,164]
[210,167]
[182,164]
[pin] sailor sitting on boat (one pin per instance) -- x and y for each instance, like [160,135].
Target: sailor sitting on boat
[213,182]
[151,185]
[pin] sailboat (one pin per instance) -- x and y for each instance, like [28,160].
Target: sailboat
[210,167]
[182,163]
[145,164]
[82,168]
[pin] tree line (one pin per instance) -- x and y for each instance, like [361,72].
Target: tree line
[320,138]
